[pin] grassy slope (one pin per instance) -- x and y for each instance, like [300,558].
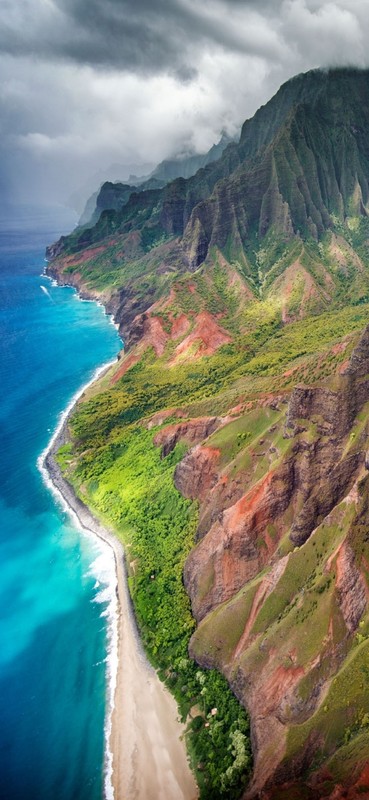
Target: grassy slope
[114,464]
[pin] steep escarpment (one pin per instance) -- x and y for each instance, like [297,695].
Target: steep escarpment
[290,559]
[113,196]
[300,160]
[280,218]
[229,444]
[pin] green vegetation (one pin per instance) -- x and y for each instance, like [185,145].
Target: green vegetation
[157,526]
[345,712]
[116,468]
[276,250]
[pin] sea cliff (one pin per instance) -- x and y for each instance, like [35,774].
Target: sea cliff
[228,446]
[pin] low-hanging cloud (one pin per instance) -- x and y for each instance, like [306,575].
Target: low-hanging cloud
[87,83]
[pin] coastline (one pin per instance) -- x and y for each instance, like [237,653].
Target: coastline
[145,753]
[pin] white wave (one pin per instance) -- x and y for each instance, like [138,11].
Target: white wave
[112,321]
[46,291]
[61,420]
[103,568]
[48,277]
[78,297]
[104,574]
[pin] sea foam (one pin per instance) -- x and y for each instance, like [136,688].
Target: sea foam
[104,570]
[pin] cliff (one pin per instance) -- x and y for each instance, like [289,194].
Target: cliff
[290,555]
[229,444]
[113,196]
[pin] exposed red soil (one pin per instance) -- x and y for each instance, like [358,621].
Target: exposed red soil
[195,430]
[231,543]
[280,683]
[343,367]
[289,372]
[339,348]
[85,255]
[256,605]
[127,363]
[237,410]
[358,788]
[250,502]
[154,334]
[180,326]
[269,700]
[331,558]
[206,334]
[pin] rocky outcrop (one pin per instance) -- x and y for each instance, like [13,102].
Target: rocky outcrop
[205,338]
[282,176]
[195,430]
[352,590]
[278,576]
[316,469]
[237,545]
[322,462]
[56,249]
[323,466]
[197,472]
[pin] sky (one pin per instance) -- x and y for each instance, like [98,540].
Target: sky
[90,83]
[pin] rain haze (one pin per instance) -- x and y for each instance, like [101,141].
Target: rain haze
[87,84]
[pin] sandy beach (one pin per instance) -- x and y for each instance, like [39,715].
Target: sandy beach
[149,760]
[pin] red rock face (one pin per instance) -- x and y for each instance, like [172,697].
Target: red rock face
[197,472]
[237,543]
[150,332]
[180,326]
[357,790]
[323,466]
[207,336]
[147,330]
[194,430]
[351,587]
[128,362]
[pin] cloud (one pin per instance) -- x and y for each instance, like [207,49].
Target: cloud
[87,83]
[328,34]
[162,35]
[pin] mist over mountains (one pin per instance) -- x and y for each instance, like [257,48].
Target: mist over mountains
[239,410]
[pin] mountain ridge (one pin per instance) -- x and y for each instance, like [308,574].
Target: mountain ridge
[242,296]
[113,196]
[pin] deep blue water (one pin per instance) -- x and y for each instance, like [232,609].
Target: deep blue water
[53,624]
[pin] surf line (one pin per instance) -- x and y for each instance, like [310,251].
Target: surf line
[65,500]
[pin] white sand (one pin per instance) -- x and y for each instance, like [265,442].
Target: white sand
[148,754]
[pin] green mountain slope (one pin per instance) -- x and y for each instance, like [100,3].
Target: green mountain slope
[228,445]
[113,196]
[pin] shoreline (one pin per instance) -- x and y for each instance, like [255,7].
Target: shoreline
[145,755]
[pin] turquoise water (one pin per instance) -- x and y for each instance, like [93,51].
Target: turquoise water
[54,585]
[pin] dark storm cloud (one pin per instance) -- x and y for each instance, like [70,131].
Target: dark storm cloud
[87,83]
[145,36]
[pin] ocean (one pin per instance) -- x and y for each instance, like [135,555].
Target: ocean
[56,584]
